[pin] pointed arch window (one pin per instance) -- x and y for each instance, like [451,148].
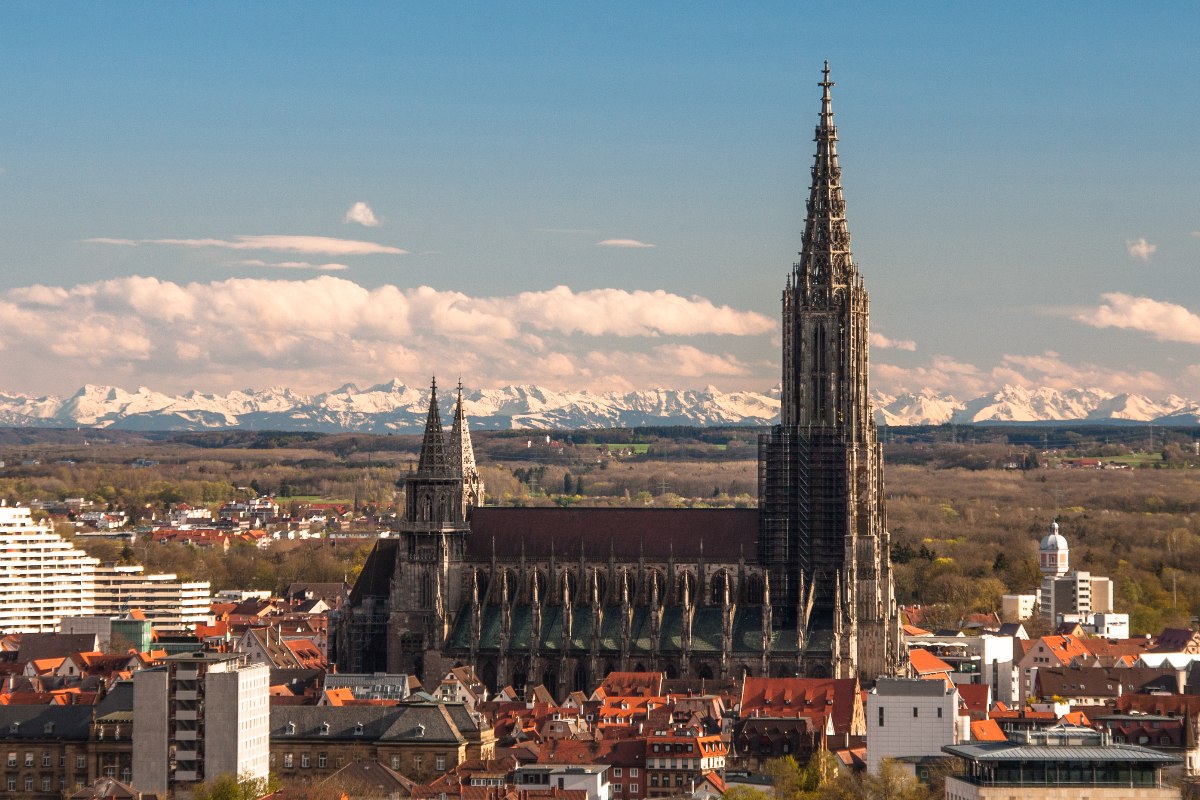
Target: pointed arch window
[425,591]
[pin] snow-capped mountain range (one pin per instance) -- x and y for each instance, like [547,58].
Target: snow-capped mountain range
[397,407]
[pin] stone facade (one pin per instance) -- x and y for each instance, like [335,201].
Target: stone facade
[561,597]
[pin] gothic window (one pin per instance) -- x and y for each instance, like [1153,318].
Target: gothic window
[719,581]
[425,591]
[426,509]
[754,589]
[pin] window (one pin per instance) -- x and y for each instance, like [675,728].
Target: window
[881,717]
[12,759]
[417,764]
[291,729]
[633,788]
[29,761]
[29,783]
[46,759]
[45,783]
[396,762]
[914,712]
[633,772]
[654,780]
[80,762]
[62,759]
[287,760]
[616,772]
[305,761]
[322,760]
[12,783]
[324,728]
[440,764]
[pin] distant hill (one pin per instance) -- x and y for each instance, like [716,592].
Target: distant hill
[396,407]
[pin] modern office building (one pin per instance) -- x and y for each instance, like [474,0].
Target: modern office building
[201,716]
[1063,762]
[42,577]
[911,718]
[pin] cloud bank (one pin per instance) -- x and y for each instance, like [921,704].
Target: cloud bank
[1167,322]
[325,330]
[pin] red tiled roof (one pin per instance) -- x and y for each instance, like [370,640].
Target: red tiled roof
[987,730]
[802,697]
[926,663]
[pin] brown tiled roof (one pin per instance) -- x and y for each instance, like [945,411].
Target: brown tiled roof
[726,533]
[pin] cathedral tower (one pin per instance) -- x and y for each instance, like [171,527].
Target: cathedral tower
[426,582]
[821,504]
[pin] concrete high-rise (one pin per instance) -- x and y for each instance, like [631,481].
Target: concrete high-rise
[199,717]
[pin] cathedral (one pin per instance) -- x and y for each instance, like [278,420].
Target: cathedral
[801,585]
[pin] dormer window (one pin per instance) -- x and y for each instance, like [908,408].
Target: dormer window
[358,729]
[324,728]
[420,730]
[16,728]
[48,727]
[291,729]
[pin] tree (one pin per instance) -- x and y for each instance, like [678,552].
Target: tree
[228,787]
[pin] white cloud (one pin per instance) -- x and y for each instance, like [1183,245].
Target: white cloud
[879,340]
[1140,248]
[628,243]
[258,262]
[361,214]
[109,240]
[321,331]
[309,245]
[1167,322]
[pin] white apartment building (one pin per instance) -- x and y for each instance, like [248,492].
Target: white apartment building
[201,716]
[42,577]
[911,718]
[977,659]
[170,604]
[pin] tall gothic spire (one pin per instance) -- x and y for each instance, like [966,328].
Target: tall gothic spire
[433,445]
[462,454]
[825,258]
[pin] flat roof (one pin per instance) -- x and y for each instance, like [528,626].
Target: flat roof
[1014,751]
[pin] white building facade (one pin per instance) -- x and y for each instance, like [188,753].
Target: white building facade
[42,577]
[170,604]
[977,659]
[911,718]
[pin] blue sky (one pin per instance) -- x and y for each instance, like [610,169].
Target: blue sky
[1021,185]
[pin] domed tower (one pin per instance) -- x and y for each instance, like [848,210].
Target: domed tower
[1053,553]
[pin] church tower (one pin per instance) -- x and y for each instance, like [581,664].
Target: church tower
[425,586]
[821,501]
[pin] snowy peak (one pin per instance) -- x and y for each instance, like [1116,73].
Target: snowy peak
[395,406]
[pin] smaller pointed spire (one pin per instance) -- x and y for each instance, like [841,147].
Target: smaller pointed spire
[462,454]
